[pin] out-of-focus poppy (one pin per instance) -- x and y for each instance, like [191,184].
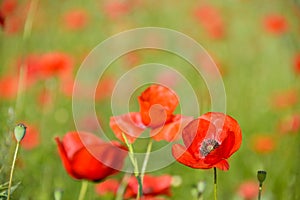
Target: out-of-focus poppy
[290,124]
[105,88]
[31,138]
[209,141]
[107,186]
[248,190]
[7,7]
[85,156]
[285,99]
[211,20]
[154,187]
[55,63]
[116,9]
[263,143]
[132,59]
[297,64]
[157,104]
[275,24]
[9,86]
[75,19]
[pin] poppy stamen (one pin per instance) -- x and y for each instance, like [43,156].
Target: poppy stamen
[207,146]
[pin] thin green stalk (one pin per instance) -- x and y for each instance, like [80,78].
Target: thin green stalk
[259,191]
[12,170]
[149,147]
[135,166]
[84,186]
[26,35]
[215,184]
[122,187]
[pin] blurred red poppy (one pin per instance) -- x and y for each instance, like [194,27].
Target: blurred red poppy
[55,63]
[157,104]
[116,9]
[107,186]
[275,24]
[263,144]
[32,138]
[153,187]
[75,19]
[7,7]
[85,156]
[297,64]
[9,86]
[285,99]
[211,20]
[248,190]
[209,141]
[289,124]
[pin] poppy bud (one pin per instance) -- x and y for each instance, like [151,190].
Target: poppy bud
[20,131]
[261,176]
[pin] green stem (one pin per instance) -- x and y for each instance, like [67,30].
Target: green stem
[215,184]
[12,170]
[84,186]
[149,147]
[140,189]
[259,191]
[26,35]
[122,187]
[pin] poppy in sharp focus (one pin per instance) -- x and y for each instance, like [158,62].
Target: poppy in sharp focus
[209,141]
[85,156]
[157,104]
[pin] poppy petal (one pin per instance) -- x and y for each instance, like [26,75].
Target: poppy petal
[97,162]
[223,165]
[183,156]
[170,131]
[130,124]
[64,158]
[195,132]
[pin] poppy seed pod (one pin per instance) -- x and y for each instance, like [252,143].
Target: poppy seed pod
[20,131]
[261,176]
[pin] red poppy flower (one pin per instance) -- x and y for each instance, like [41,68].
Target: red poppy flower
[297,64]
[107,186]
[55,63]
[209,141]
[290,124]
[211,20]
[116,9]
[85,156]
[285,99]
[157,104]
[8,7]
[9,86]
[31,138]
[248,190]
[275,24]
[153,187]
[263,144]
[75,19]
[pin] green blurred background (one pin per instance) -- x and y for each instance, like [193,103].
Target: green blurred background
[257,59]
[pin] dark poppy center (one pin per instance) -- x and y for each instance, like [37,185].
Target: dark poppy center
[207,146]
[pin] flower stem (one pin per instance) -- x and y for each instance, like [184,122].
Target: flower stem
[149,147]
[259,191]
[122,187]
[12,170]
[84,186]
[215,183]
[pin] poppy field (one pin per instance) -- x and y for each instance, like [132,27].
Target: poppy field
[151,100]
